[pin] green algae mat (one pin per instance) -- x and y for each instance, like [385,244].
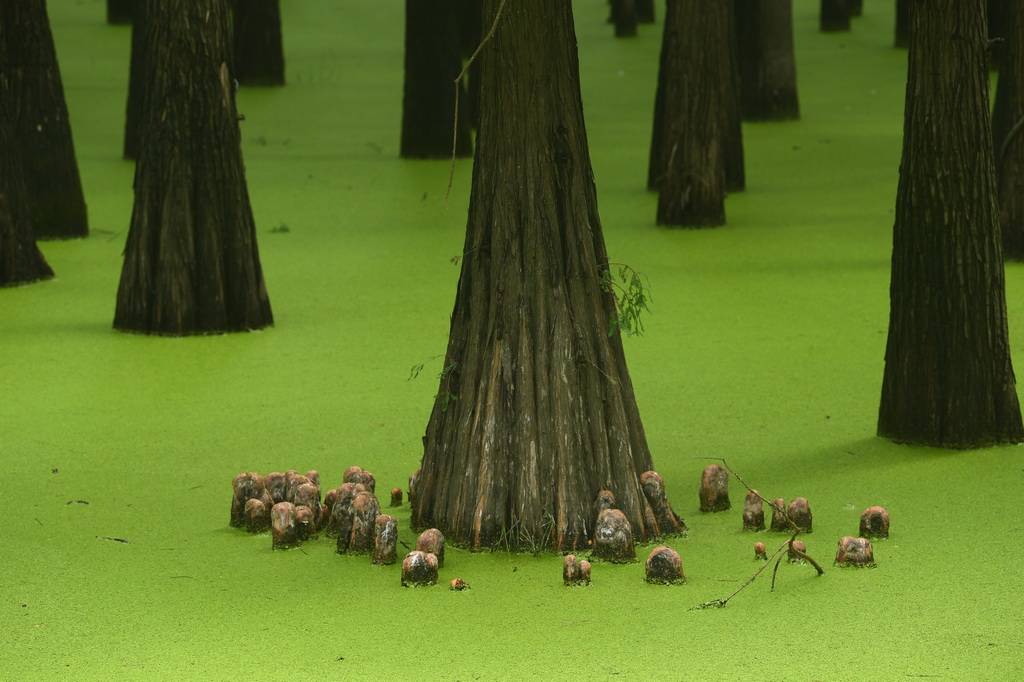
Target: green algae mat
[764,346]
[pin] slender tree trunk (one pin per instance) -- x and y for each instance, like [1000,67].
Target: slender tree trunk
[767,63]
[624,18]
[258,48]
[137,83]
[948,378]
[432,63]
[119,11]
[697,86]
[856,8]
[470,35]
[20,259]
[1007,129]
[536,412]
[835,15]
[42,130]
[191,263]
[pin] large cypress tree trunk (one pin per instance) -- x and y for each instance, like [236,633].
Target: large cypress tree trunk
[120,11]
[258,48]
[433,46]
[767,63]
[902,23]
[697,85]
[1008,133]
[948,379]
[20,259]
[536,413]
[191,263]
[42,130]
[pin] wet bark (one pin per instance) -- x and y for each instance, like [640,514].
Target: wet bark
[191,263]
[1007,126]
[21,262]
[257,44]
[697,94]
[767,64]
[120,11]
[538,414]
[42,131]
[948,379]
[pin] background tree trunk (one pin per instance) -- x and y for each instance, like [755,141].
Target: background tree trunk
[948,379]
[432,63]
[137,84]
[41,127]
[1007,137]
[624,18]
[645,11]
[835,15]
[767,64]
[20,259]
[902,23]
[120,11]
[258,48]
[697,86]
[191,263]
[536,412]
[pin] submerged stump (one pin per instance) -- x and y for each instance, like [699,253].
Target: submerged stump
[664,567]
[285,532]
[780,521]
[874,523]
[799,513]
[653,486]
[753,512]
[575,572]
[419,569]
[385,540]
[257,516]
[432,542]
[853,551]
[714,489]
[613,538]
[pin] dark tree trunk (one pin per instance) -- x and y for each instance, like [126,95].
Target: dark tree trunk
[624,18]
[137,74]
[41,128]
[20,259]
[258,49]
[1008,142]
[433,47]
[948,378]
[902,23]
[191,263]
[470,34]
[835,15]
[767,64]
[645,11]
[998,29]
[120,11]
[697,88]
[856,7]
[538,413]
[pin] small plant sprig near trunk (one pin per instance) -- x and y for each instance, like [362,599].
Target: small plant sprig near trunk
[784,548]
[444,395]
[632,292]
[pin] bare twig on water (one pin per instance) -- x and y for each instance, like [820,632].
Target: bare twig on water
[785,546]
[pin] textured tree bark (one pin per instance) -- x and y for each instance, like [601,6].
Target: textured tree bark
[120,11]
[1007,137]
[767,64]
[20,259]
[432,63]
[538,413]
[137,84]
[257,44]
[191,263]
[41,127]
[948,379]
[697,94]
[835,15]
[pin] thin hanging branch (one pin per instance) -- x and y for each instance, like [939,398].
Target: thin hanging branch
[787,545]
[458,89]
